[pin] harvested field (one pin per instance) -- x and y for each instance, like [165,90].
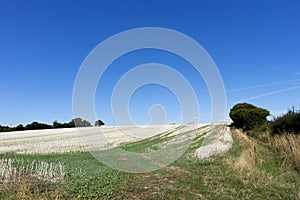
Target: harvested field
[85,139]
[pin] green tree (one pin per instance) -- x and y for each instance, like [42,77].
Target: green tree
[248,116]
[99,122]
[20,127]
[56,124]
[78,122]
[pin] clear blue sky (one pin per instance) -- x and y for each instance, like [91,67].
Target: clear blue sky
[43,43]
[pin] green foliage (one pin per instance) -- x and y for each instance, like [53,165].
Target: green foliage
[37,125]
[61,125]
[247,116]
[99,122]
[287,123]
[4,128]
[258,131]
[7,128]
[78,122]
[20,127]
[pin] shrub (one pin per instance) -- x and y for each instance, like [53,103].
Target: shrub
[287,123]
[99,122]
[288,147]
[247,116]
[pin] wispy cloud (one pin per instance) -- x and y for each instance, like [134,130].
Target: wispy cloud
[262,85]
[271,93]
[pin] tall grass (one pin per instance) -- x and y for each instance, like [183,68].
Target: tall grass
[248,160]
[288,147]
[12,170]
[248,163]
[258,165]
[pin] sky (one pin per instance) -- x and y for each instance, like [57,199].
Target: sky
[255,45]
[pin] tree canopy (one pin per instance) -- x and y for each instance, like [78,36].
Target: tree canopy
[37,125]
[99,122]
[248,116]
[78,122]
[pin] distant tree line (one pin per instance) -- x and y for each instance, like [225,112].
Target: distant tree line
[76,122]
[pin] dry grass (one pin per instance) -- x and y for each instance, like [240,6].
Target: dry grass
[21,180]
[252,164]
[288,147]
[257,167]
[14,170]
[248,162]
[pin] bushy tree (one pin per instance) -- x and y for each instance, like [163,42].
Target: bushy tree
[56,124]
[78,122]
[248,116]
[99,122]
[20,127]
[287,123]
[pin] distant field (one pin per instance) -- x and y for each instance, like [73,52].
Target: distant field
[81,139]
